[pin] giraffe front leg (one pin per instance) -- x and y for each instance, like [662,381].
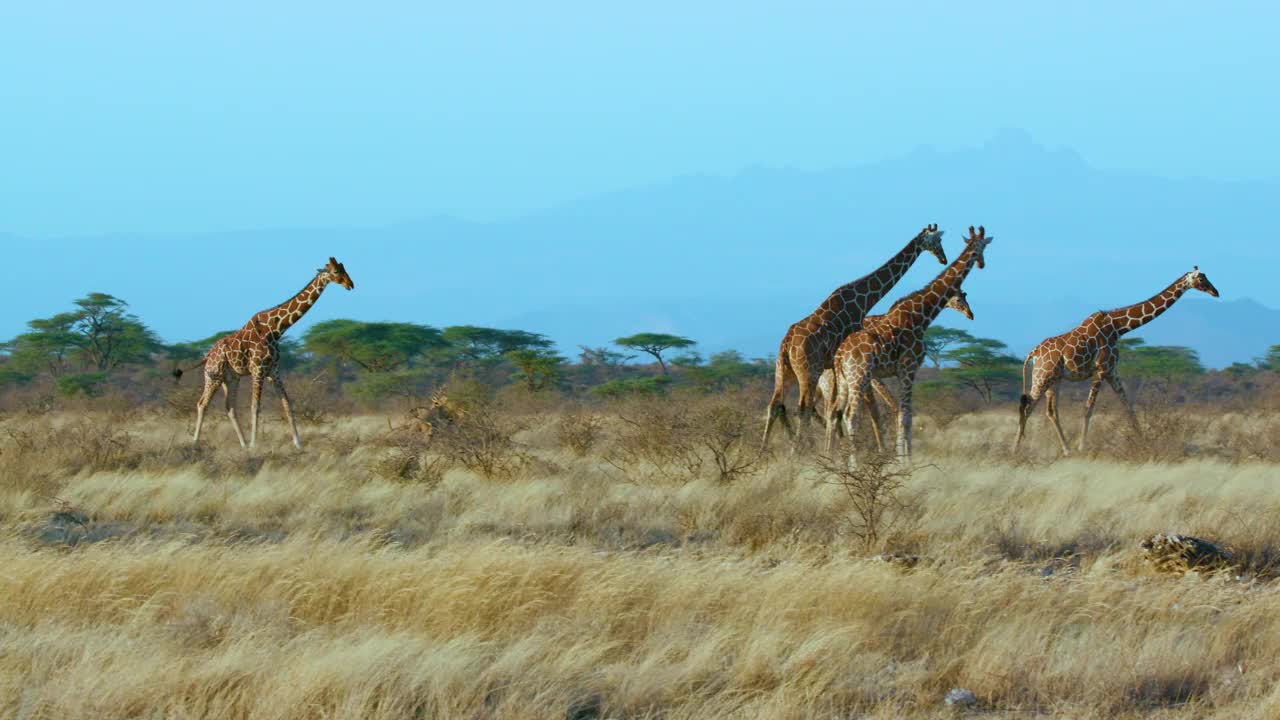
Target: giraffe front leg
[836,396]
[210,387]
[288,411]
[873,414]
[889,401]
[904,416]
[1051,409]
[1088,410]
[230,388]
[855,388]
[255,409]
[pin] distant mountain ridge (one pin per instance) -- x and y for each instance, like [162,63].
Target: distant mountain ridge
[732,260]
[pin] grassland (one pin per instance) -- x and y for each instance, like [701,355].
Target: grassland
[593,574]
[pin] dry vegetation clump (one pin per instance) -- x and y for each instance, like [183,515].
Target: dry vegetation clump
[635,559]
[578,431]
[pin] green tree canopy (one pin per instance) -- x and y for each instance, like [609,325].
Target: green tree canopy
[374,346]
[99,336]
[1170,363]
[655,344]
[479,344]
[538,368]
[982,364]
[1272,358]
[722,369]
[937,340]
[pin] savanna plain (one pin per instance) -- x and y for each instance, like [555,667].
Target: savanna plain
[631,559]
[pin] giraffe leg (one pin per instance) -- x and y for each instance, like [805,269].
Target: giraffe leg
[904,416]
[873,414]
[288,411]
[230,388]
[1124,398]
[255,409]
[1088,410]
[777,409]
[1051,409]
[855,388]
[889,401]
[1025,406]
[210,387]
[804,408]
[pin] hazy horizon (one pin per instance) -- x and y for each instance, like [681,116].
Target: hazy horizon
[413,139]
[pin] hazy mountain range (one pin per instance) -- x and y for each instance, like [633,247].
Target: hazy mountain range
[730,261]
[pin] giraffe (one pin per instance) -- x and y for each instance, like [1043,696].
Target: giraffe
[1090,351]
[809,345]
[254,350]
[827,383]
[894,345]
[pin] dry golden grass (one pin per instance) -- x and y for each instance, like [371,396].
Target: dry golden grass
[140,578]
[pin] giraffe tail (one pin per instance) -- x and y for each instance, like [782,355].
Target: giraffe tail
[177,371]
[1025,399]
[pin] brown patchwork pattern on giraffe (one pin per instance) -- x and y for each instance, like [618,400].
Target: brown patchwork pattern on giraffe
[827,383]
[893,346]
[1091,351]
[254,350]
[809,345]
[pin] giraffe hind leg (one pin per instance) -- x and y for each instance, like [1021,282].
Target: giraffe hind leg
[1088,411]
[1051,409]
[210,387]
[1026,404]
[288,411]
[230,386]
[777,410]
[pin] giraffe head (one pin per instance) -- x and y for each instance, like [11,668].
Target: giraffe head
[335,272]
[959,302]
[979,242]
[930,239]
[1196,280]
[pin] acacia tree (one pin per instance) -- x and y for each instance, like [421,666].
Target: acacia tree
[373,346]
[480,344]
[538,368]
[655,344]
[938,339]
[1169,363]
[982,364]
[98,336]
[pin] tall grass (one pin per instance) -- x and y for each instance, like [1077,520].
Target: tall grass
[141,578]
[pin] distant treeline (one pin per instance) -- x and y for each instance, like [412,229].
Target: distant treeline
[99,347]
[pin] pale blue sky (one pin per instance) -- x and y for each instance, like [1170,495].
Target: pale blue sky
[145,116]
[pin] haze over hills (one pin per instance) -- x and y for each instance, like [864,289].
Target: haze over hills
[730,261]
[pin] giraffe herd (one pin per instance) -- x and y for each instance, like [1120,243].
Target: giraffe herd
[852,352]
[837,352]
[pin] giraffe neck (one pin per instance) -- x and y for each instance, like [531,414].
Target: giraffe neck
[862,294]
[1132,317]
[274,321]
[924,306]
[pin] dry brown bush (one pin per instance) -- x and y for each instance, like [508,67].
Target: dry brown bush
[654,438]
[482,441]
[877,503]
[579,430]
